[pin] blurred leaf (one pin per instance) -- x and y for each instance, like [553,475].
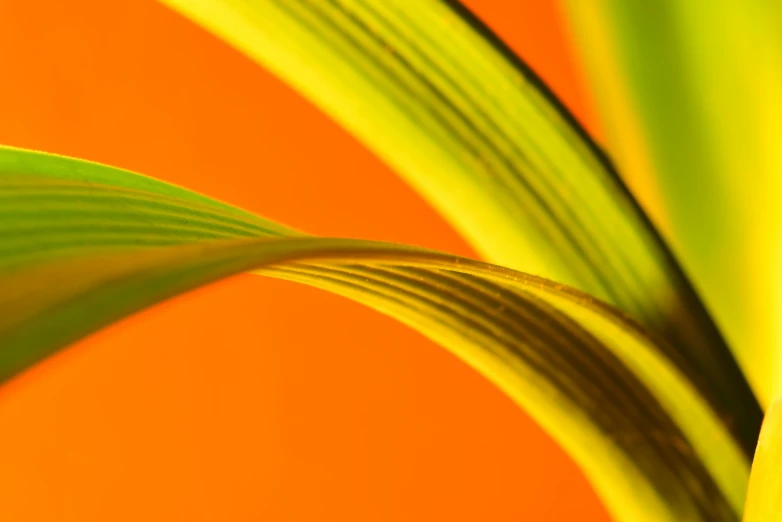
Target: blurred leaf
[465,122]
[764,499]
[84,245]
[690,94]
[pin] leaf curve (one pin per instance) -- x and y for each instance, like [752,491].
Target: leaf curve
[472,128]
[88,244]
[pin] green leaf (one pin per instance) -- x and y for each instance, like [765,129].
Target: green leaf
[432,93]
[689,91]
[85,245]
[764,499]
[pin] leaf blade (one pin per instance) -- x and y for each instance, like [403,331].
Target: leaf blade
[648,441]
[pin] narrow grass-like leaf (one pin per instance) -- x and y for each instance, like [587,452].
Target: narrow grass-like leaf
[435,95]
[764,499]
[86,245]
[689,91]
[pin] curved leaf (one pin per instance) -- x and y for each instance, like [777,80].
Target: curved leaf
[87,244]
[466,123]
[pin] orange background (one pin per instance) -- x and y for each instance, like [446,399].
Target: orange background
[253,399]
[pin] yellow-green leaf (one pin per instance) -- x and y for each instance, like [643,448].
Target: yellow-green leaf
[689,91]
[84,245]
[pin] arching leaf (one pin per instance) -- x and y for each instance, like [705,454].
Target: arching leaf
[84,245]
